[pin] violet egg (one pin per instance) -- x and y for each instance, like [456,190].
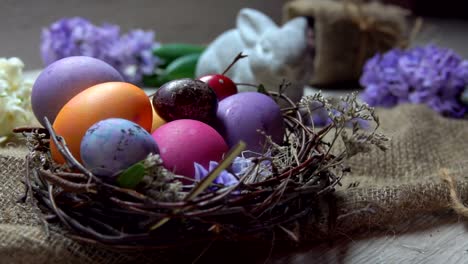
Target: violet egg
[241,115]
[183,142]
[62,80]
[113,145]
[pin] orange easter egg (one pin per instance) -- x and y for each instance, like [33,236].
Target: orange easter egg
[99,102]
[157,120]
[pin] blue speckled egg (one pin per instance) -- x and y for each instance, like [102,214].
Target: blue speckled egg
[114,144]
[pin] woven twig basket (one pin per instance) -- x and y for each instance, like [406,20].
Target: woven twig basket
[98,212]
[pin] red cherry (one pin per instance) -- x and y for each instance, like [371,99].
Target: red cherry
[222,85]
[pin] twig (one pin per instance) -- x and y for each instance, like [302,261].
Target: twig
[203,252]
[63,149]
[27,181]
[39,130]
[67,185]
[238,57]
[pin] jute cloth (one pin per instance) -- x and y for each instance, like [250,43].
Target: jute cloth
[346,34]
[383,189]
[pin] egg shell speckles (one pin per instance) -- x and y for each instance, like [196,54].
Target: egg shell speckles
[62,80]
[114,144]
[241,115]
[183,142]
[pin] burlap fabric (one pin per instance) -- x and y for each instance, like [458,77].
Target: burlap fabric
[347,34]
[383,189]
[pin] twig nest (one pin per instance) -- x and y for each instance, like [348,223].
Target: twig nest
[241,196]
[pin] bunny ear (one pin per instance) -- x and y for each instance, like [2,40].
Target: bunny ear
[297,23]
[251,24]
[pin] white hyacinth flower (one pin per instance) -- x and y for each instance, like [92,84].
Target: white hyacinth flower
[15,97]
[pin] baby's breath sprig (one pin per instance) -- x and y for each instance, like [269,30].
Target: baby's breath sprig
[352,123]
[159,183]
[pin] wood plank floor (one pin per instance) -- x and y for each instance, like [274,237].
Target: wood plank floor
[429,239]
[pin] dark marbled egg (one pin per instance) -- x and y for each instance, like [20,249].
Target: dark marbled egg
[186,99]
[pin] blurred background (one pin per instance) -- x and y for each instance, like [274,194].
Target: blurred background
[191,21]
[173,21]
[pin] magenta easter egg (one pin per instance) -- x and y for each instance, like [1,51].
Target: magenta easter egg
[183,142]
[241,115]
[62,80]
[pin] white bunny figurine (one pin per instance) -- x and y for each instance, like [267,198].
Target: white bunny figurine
[274,53]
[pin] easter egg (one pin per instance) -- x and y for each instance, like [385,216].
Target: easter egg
[62,80]
[183,142]
[241,115]
[99,102]
[186,99]
[157,120]
[113,145]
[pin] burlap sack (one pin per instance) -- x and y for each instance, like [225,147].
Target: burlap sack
[347,34]
[384,188]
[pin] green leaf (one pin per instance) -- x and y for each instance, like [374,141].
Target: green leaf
[155,80]
[149,80]
[261,89]
[182,67]
[132,176]
[171,51]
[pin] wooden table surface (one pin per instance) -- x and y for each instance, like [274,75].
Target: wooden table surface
[429,239]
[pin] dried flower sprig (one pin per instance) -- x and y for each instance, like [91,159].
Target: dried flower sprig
[159,183]
[348,114]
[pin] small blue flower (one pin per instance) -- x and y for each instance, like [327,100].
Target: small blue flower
[225,178]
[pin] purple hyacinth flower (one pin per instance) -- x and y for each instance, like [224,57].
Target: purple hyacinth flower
[428,75]
[131,54]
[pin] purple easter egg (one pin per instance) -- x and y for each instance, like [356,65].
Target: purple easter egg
[113,145]
[62,80]
[241,115]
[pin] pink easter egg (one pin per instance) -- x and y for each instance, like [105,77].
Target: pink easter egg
[183,142]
